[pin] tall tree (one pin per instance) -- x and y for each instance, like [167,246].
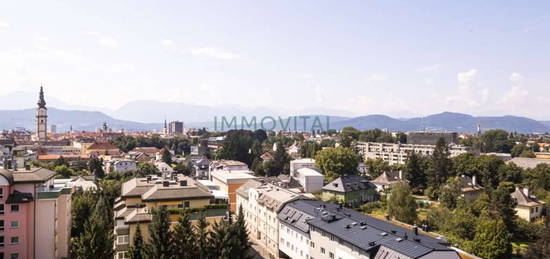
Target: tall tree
[441,164]
[218,241]
[502,202]
[375,167]
[95,165]
[241,245]
[184,238]
[450,193]
[492,240]
[160,240]
[137,250]
[145,169]
[415,172]
[541,248]
[496,141]
[280,160]
[96,241]
[335,162]
[82,206]
[401,204]
[166,156]
[348,135]
[202,233]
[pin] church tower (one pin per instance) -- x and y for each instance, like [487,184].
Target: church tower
[42,118]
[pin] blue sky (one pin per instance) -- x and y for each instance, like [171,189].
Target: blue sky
[400,58]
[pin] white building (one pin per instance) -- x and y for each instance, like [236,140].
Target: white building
[397,154]
[301,163]
[310,179]
[121,166]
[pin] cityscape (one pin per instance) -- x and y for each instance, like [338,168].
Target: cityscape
[318,149]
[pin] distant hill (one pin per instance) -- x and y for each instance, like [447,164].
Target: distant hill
[64,119]
[446,121]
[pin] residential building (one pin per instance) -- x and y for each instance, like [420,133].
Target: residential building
[431,138]
[398,153]
[120,166]
[301,163]
[175,127]
[139,196]
[310,179]
[200,167]
[528,207]
[317,229]
[470,188]
[542,155]
[261,203]
[230,175]
[386,179]
[35,214]
[103,149]
[352,190]
[164,168]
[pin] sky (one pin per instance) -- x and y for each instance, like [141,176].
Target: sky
[400,58]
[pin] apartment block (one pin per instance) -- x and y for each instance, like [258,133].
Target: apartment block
[397,154]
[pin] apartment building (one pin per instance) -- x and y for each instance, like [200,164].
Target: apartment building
[139,196]
[315,229]
[261,203]
[35,214]
[528,207]
[397,154]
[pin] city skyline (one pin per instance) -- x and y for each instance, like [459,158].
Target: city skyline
[348,58]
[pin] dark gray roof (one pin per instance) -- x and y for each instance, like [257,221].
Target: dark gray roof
[357,229]
[19,197]
[349,183]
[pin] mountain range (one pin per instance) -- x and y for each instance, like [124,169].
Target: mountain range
[446,121]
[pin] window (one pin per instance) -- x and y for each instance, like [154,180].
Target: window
[15,207]
[14,240]
[322,250]
[312,244]
[331,255]
[123,239]
[122,255]
[15,224]
[14,256]
[1,225]
[1,193]
[186,204]
[1,209]
[1,241]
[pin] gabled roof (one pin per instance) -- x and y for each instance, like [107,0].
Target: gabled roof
[522,197]
[159,193]
[250,184]
[35,175]
[468,184]
[349,183]
[102,146]
[387,178]
[19,197]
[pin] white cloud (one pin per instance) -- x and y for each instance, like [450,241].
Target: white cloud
[516,79]
[376,78]
[4,24]
[216,53]
[469,94]
[465,79]
[108,42]
[167,43]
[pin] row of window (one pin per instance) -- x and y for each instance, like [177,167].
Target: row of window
[12,255]
[14,240]
[13,207]
[13,224]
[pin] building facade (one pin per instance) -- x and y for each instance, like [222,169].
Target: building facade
[397,154]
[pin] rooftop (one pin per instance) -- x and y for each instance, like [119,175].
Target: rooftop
[525,163]
[234,175]
[349,183]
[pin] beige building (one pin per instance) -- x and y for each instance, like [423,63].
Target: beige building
[528,206]
[397,154]
[261,203]
[139,196]
[230,181]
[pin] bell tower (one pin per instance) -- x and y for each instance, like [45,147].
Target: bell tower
[42,118]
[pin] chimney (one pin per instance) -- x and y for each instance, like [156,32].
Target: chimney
[27,167]
[183,183]
[526,191]
[415,230]
[148,178]
[474,182]
[165,183]
[400,174]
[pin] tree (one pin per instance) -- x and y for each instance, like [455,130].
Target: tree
[64,171]
[348,135]
[401,204]
[160,240]
[218,242]
[415,172]
[236,146]
[203,235]
[280,160]
[541,248]
[335,162]
[60,161]
[518,149]
[441,165]
[137,250]
[492,240]
[309,149]
[82,206]
[504,205]
[167,156]
[450,193]
[241,244]
[96,241]
[95,166]
[375,167]
[145,169]
[184,238]
[496,141]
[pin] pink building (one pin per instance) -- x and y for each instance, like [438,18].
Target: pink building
[34,215]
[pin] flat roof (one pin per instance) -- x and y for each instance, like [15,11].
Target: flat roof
[226,176]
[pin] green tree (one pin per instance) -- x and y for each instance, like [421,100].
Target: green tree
[309,149]
[60,161]
[504,205]
[166,156]
[145,169]
[496,141]
[375,167]
[236,146]
[95,165]
[335,162]
[414,170]
[82,206]
[401,204]
[492,240]
[160,240]
[137,250]
[348,135]
[240,242]
[218,241]
[202,233]
[280,160]
[450,193]
[541,248]
[96,241]
[184,238]
[441,165]
[64,171]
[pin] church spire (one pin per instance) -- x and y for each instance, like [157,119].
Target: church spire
[41,103]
